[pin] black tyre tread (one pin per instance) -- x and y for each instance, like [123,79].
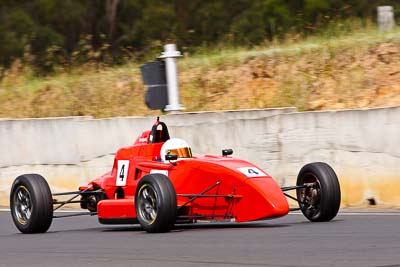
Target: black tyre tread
[42,201]
[167,214]
[330,190]
[167,185]
[336,194]
[171,201]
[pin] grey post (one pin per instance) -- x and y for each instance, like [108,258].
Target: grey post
[170,54]
[385,18]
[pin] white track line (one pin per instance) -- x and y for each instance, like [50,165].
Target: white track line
[369,214]
[359,213]
[63,211]
[292,213]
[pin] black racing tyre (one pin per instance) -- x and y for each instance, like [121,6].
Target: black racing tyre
[320,199]
[155,203]
[31,204]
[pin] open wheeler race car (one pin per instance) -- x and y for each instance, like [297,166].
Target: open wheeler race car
[157,183]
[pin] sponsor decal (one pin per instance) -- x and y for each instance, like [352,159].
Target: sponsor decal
[165,172]
[252,172]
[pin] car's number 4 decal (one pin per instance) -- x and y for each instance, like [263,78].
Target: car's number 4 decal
[122,173]
[252,172]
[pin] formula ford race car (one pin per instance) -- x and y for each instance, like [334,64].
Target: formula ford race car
[157,183]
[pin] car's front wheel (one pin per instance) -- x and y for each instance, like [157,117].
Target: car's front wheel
[31,204]
[155,203]
[319,199]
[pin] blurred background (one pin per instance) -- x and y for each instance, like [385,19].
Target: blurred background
[71,57]
[82,58]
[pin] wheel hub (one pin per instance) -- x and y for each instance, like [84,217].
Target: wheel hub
[22,205]
[310,195]
[148,207]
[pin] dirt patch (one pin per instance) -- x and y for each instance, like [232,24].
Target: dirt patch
[330,78]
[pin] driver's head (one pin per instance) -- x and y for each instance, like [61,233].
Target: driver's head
[176,146]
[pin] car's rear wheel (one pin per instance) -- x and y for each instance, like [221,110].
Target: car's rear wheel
[155,203]
[31,204]
[319,200]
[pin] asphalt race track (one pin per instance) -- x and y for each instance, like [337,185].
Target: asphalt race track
[352,239]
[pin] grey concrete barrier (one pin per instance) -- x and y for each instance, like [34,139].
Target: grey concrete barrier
[361,145]
[39,141]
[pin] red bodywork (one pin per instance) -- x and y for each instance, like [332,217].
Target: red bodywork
[208,187]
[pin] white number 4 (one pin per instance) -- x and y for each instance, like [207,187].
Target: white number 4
[122,173]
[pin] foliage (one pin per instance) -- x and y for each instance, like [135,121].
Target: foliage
[62,32]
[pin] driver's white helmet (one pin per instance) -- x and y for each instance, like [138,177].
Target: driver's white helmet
[176,146]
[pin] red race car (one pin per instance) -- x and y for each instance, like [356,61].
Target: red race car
[157,183]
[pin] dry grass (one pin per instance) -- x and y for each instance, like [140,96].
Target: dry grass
[353,71]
